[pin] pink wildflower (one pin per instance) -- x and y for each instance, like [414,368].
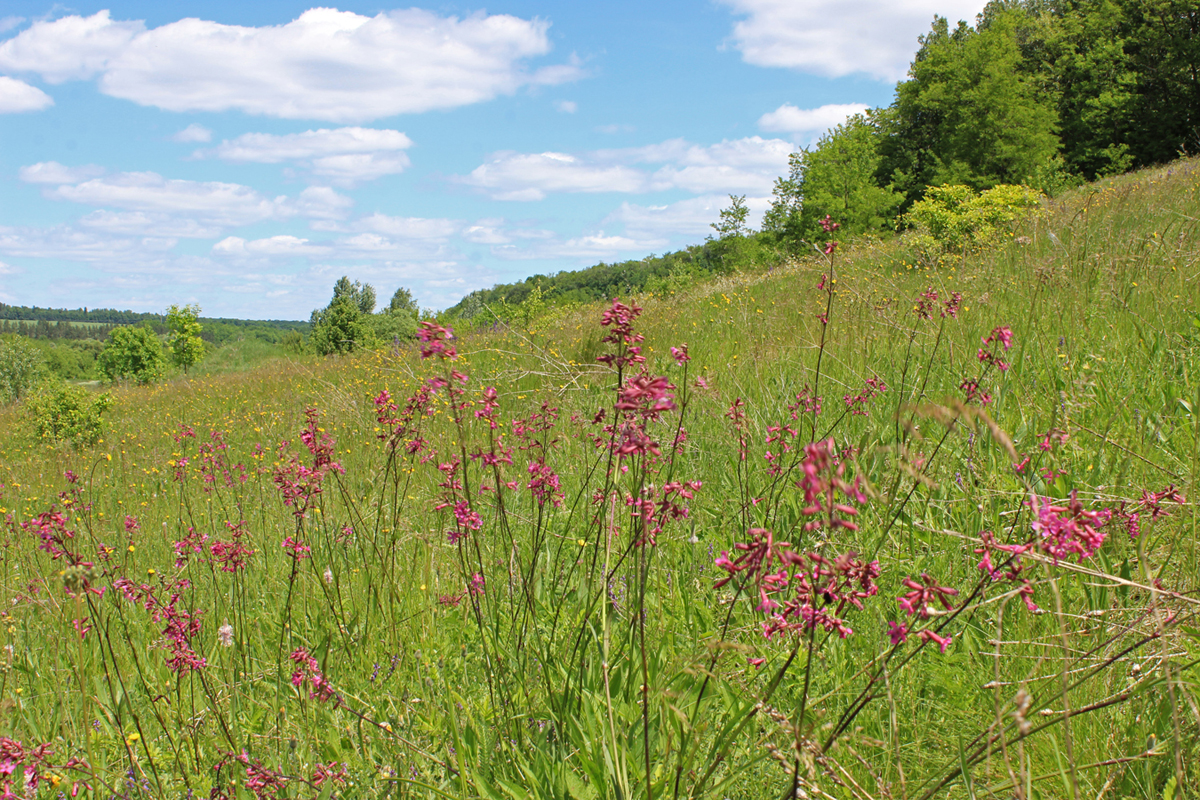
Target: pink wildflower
[1068,530]
[921,597]
[435,341]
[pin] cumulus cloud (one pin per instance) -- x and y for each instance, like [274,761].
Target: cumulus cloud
[17,96]
[691,218]
[53,172]
[580,248]
[192,134]
[409,227]
[270,246]
[530,176]
[226,204]
[326,64]
[69,48]
[790,119]
[839,37]
[63,242]
[345,155]
[322,203]
[747,165]
[137,223]
[147,203]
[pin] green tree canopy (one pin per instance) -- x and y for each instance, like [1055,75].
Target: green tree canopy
[733,219]
[185,344]
[835,177]
[971,112]
[361,295]
[339,327]
[404,302]
[133,352]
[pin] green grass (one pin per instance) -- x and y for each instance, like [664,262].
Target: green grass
[588,648]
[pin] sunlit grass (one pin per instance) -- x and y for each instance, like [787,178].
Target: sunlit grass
[533,684]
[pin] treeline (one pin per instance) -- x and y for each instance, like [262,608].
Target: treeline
[84,323]
[45,329]
[602,281]
[104,315]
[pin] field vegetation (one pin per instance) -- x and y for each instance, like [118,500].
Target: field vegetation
[909,518]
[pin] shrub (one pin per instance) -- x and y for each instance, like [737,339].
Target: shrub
[133,352]
[67,413]
[387,326]
[21,367]
[956,219]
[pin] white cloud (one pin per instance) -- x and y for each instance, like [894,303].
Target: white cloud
[321,202]
[8,23]
[17,96]
[7,269]
[270,246]
[691,218]
[409,227]
[529,176]
[53,172]
[193,209]
[748,165]
[140,223]
[62,242]
[345,155]
[69,48]
[487,231]
[226,204]
[790,119]
[580,248]
[567,106]
[268,148]
[193,133]
[326,64]
[839,37]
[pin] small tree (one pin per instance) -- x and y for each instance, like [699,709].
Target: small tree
[338,328]
[733,219]
[404,302]
[21,367]
[361,294]
[133,352]
[185,344]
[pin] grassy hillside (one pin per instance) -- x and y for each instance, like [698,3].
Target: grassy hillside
[283,582]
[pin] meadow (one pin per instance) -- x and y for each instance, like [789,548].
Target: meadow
[880,522]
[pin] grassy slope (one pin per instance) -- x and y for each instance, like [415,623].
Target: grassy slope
[1100,296]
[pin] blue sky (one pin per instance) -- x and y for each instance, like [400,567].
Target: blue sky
[243,156]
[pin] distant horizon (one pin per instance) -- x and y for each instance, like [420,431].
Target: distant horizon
[245,156]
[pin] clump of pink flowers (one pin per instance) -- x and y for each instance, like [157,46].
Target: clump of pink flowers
[308,673]
[299,484]
[1068,530]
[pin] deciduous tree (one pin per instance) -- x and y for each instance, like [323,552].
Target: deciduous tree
[133,352]
[185,344]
